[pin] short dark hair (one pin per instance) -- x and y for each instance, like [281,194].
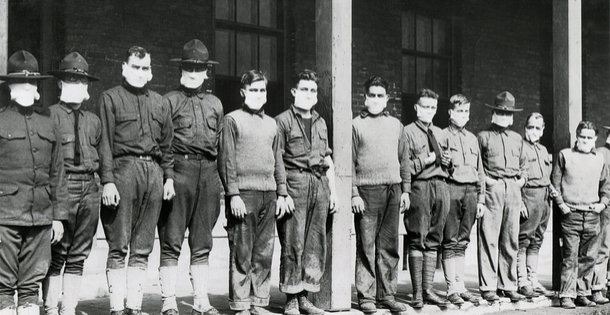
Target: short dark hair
[427,93]
[252,76]
[586,125]
[457,100]
[376,81]
[135,51]
[305,75]
[534,115]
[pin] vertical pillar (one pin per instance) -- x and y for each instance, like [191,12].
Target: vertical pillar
[46,50]
[567,92]
[334,65]
[3,35]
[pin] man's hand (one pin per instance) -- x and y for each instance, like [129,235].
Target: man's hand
[430,159]
[597,207]
[446,159]
[168,189]
[333,204]
[564,209]
[58,232]
[289,204]
[281,208]
[405,202]
[238,208]
[524,212]
[357,205]
[110,195]
[481,209]
[520,182]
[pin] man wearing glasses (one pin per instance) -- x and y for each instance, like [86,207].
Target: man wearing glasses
[135,156]
[196,116]
[80,136]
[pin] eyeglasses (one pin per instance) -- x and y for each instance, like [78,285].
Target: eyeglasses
[75,79]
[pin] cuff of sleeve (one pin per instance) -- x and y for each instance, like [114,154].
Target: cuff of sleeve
[59,215]
[281,190]
[232,190]
[355,192]
[605,201]
[559,200]
[168,173]
[481,199]
[406,188]
[106,179]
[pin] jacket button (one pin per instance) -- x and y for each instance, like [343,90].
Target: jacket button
[34,150]
[31,133]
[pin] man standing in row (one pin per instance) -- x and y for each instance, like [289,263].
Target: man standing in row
[80,136]
[135,155]
[600,271]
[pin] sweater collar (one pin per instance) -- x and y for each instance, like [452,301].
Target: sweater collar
[365,113]
[245,108]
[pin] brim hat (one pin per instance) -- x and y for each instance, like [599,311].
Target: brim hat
[195,52]
[73,64]
[22,65]
[504,102]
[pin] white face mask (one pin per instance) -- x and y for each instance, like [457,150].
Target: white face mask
[426,109]
[74,92]
[255,95]
[305,95]
[608,139]
[24,93]
[193,80]
[137,72]
[534,130]
[460,115]
[501,120]
[376,99]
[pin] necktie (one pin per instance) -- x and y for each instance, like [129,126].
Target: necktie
[76,138]
[434,145]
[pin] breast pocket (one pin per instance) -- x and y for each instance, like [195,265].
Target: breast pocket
[156,124]
[322,141]
[296,145]
[512,159]
[45,147]
[126,127]
[471,157]
[67,145]
[183,127]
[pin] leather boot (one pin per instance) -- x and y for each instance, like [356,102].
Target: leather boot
[428,279]
[136,278]
[71,294]
[416,262]
[51,290]
[116,287]
[167,277]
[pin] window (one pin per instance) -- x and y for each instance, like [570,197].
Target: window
[249,35]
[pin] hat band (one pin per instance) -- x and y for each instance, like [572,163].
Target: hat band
[24,72]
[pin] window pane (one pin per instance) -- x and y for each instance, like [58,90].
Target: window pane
[247,11]
[440,37]
[408,30]
[225,9]
[408,74]
[441,77]
[268,56]
[247,52]
[423,68]
[423,29]
[268,13]
[225,52]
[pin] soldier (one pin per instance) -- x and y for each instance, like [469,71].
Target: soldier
[310,180]
[600,271]
[80,134]
[196,117]
[135,160]
[33,191]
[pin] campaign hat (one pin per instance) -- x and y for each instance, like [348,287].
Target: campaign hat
[22,65]
[195,52]
[73,64]
[504,102]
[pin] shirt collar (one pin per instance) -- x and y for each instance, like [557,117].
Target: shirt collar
[135,90]
[260,112]
[365,113]
[423,127]
[498,129]
[68,109]
[199,92]
[455,130]
[314,114]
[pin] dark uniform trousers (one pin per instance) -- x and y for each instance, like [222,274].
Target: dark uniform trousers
[461,218]
[531,230]
[425,220]
[196,206]
[302,234]
[84,198]
[377,242]
[131,225]
[23,262]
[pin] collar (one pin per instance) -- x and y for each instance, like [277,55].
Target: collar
[135,90]
[26,111]
[260,112]
[68,109]
[365,113]
[498,129]
[455,129]
[423,127]
[314,114]
[575,149]
[199,92]
[533,144]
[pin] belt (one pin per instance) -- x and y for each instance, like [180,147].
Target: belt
[515,177]
[138,157]
[453,182]
[317,171]
[197,157]
[81,177]
[441,178]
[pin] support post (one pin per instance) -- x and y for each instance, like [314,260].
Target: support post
[3,35]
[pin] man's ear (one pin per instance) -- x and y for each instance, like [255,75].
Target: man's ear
[293,91]
[242,93]
[59,84]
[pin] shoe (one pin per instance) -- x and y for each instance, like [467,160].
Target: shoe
[468,297]
[544,291]
[583,301]
[455,298]
[490,296]
[129,311]
[170,311]
[306,306]
[431,298]
[598,298]
[368,307]
[528,292]
[512,295]
[393,306]
[292,305]
[567,303]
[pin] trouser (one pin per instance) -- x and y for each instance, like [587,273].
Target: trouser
[131,225]
[377,243]
[579,230]
[456,236]
[251,241]
[498,241]
[600,271]
[302,234]
[79,230]
[531,231]
[25,256]
[196,206]
[425,220]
